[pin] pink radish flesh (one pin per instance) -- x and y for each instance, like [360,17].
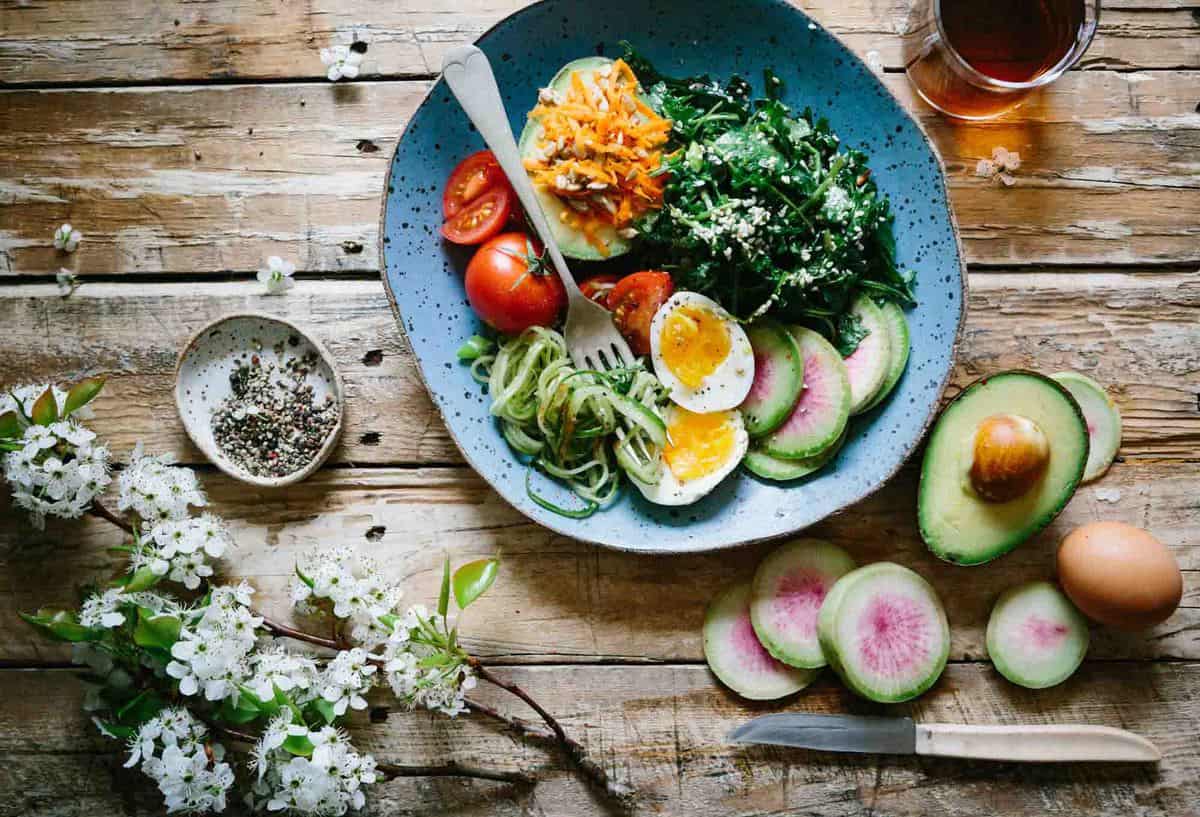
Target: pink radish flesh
[894,636]
[865,367]
[797,600]
[1044,633]
[764,374]
[816,401]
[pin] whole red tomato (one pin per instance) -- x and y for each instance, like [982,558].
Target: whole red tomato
[511,288]
[633,302]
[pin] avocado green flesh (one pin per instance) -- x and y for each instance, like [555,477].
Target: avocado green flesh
[573,243]
[955,522]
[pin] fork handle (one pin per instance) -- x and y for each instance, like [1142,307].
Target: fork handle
[469,74]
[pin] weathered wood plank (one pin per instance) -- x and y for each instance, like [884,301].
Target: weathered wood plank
[561,600]
[1139,333]
[662,729]
[213,179]
[122,41]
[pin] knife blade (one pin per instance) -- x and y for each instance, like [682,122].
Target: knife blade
[1031,743]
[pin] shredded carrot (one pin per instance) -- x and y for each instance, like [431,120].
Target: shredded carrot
[599,148]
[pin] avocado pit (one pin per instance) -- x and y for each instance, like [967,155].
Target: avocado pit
[1010,455]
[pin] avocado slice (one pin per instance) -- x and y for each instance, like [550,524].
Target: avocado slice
[957,523]
[573,243]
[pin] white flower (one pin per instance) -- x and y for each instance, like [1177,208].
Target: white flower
[213,651]
[58,471]
[291,672]
[66,238]
[278,275]
[67,282]
[173,750]
[155,491]
[104,609]
[341,61]
[327,783]
[178,549]
[440,688]
[346,679]
[356,587]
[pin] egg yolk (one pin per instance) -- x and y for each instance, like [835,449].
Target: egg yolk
[693,343]
[698,444]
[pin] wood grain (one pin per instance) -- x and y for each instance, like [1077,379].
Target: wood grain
[560,600]
[1138,333]
[126,41]
[662,729]
[213,179]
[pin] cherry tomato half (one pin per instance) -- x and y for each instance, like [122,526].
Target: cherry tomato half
[483,217]
[633,302]
[597,287]
[508,287]
[473,176]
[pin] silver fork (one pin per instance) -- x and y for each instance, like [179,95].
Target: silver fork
[592,339]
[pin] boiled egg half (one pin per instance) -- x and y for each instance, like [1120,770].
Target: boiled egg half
[700,354]
[701,450]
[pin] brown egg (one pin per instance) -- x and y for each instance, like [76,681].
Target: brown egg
[1119,575]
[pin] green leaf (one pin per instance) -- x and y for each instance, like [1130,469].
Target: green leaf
[114,730]
[303,578]
[142,708]
[10,445]
[389,620]
[473,579]
[10,425]
[141,579]
[61,625]
[325,709]
[82,393]
[244,711]
[45,409]
[444,596]
[298,745]
[285,700]
[152,630]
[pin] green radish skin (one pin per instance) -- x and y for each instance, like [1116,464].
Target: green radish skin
[884,632]
[868,364]
[1103,421]
[764,466]
[1036,637]
[778,378]
[820,414]
[901,345]
[573,243]
[786,595]
[735,655]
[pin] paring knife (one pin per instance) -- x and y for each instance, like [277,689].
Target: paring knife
[901,736]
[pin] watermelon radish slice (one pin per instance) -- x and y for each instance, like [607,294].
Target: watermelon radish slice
[1102,418]
[735,655]
[819,416]
[778,378]
[868,364]
[762,464]
[897,329]
[883,630]
[1035,636]
[786,595]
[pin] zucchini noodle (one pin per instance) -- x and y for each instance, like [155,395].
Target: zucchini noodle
[581,427]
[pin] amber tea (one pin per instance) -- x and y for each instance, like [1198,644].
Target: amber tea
[977,58]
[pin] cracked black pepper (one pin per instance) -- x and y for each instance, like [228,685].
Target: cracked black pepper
[273,425]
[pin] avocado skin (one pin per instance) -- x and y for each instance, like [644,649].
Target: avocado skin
[962,552]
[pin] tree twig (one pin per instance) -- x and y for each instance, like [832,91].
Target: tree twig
[592,771]
[99,510]
[391,771]
[284,631]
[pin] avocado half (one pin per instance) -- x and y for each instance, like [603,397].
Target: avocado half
[573,243]
[956,523]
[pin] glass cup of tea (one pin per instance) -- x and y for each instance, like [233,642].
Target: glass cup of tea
[976,59]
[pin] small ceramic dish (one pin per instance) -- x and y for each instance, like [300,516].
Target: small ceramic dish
[202,382]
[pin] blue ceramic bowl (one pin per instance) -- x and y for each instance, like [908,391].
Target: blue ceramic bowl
[424,275]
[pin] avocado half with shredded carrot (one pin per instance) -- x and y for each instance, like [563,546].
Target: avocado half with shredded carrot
[592,147]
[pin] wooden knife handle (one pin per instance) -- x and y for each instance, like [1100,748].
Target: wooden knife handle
[1035,744]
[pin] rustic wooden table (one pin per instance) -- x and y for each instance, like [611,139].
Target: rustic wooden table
[189,140]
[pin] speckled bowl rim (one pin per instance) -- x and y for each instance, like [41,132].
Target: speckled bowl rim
[906,454]
[220,460]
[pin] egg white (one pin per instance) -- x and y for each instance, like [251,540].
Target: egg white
[729,384]
[670,491]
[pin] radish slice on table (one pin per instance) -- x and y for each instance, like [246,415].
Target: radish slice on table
[1036,637]
[1102,418]
[735,655]
[786,595]
[883,630]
